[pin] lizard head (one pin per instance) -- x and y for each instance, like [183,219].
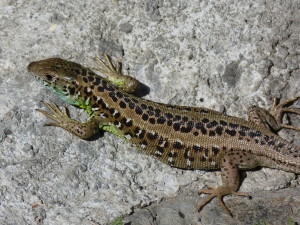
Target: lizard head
[59,76]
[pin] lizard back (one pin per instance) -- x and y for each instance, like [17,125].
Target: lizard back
[183,137]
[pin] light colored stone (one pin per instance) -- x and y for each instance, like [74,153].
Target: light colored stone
[181,51]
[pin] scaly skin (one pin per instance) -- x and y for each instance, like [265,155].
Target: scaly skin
[180,136]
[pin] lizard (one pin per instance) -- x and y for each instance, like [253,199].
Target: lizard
[185,137]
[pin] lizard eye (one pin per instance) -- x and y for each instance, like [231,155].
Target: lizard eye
[48,77]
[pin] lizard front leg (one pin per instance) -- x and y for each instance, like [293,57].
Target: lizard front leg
[114,75]
[61,118]
[272,119]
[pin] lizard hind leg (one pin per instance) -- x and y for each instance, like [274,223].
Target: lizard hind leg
[114,74]
[231,163]
[278,110]
[272,119]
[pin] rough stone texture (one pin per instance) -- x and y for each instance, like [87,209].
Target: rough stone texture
[225,55]
[273,207]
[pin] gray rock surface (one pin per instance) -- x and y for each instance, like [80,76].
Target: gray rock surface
[224,55]
[273,207]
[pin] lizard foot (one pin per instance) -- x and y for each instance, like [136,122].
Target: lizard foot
[114,74]
[272,119]
[58,115]
[62,119]
[109,69]
[218,192]
[278,109]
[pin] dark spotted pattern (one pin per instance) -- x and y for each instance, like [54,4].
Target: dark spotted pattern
[176,126]
[122,104]
[163,142]
[90,78]
[72,90]
[169,115]
[100,89]
[185,119]
[138,110]
[85,80]
[219,130]
[160,150]
[205,120]
[97,81]
[186,153]
[152,120]
[170,123]
[152,136]
[119,94]
[144,106]
[233,126]
[215,150]
[145,117]
[140,133]
[199,125]
[172,154]
[242,133]
[127,122]
[180,136]
[131,105]
[211,124]
[212,133]
[198,148]
[177,145]
[230,132]
[161,120]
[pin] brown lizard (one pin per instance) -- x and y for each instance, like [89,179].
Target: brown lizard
[180,136]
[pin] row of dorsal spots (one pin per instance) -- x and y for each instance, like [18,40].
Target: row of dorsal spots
[153,115]
[162,146]
[284,148]
[272,142]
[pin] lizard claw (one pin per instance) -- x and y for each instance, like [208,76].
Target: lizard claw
[218,192]
[109,68]
[57,115]
[278,109]
[62,119]
[114,74]
[272,119]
